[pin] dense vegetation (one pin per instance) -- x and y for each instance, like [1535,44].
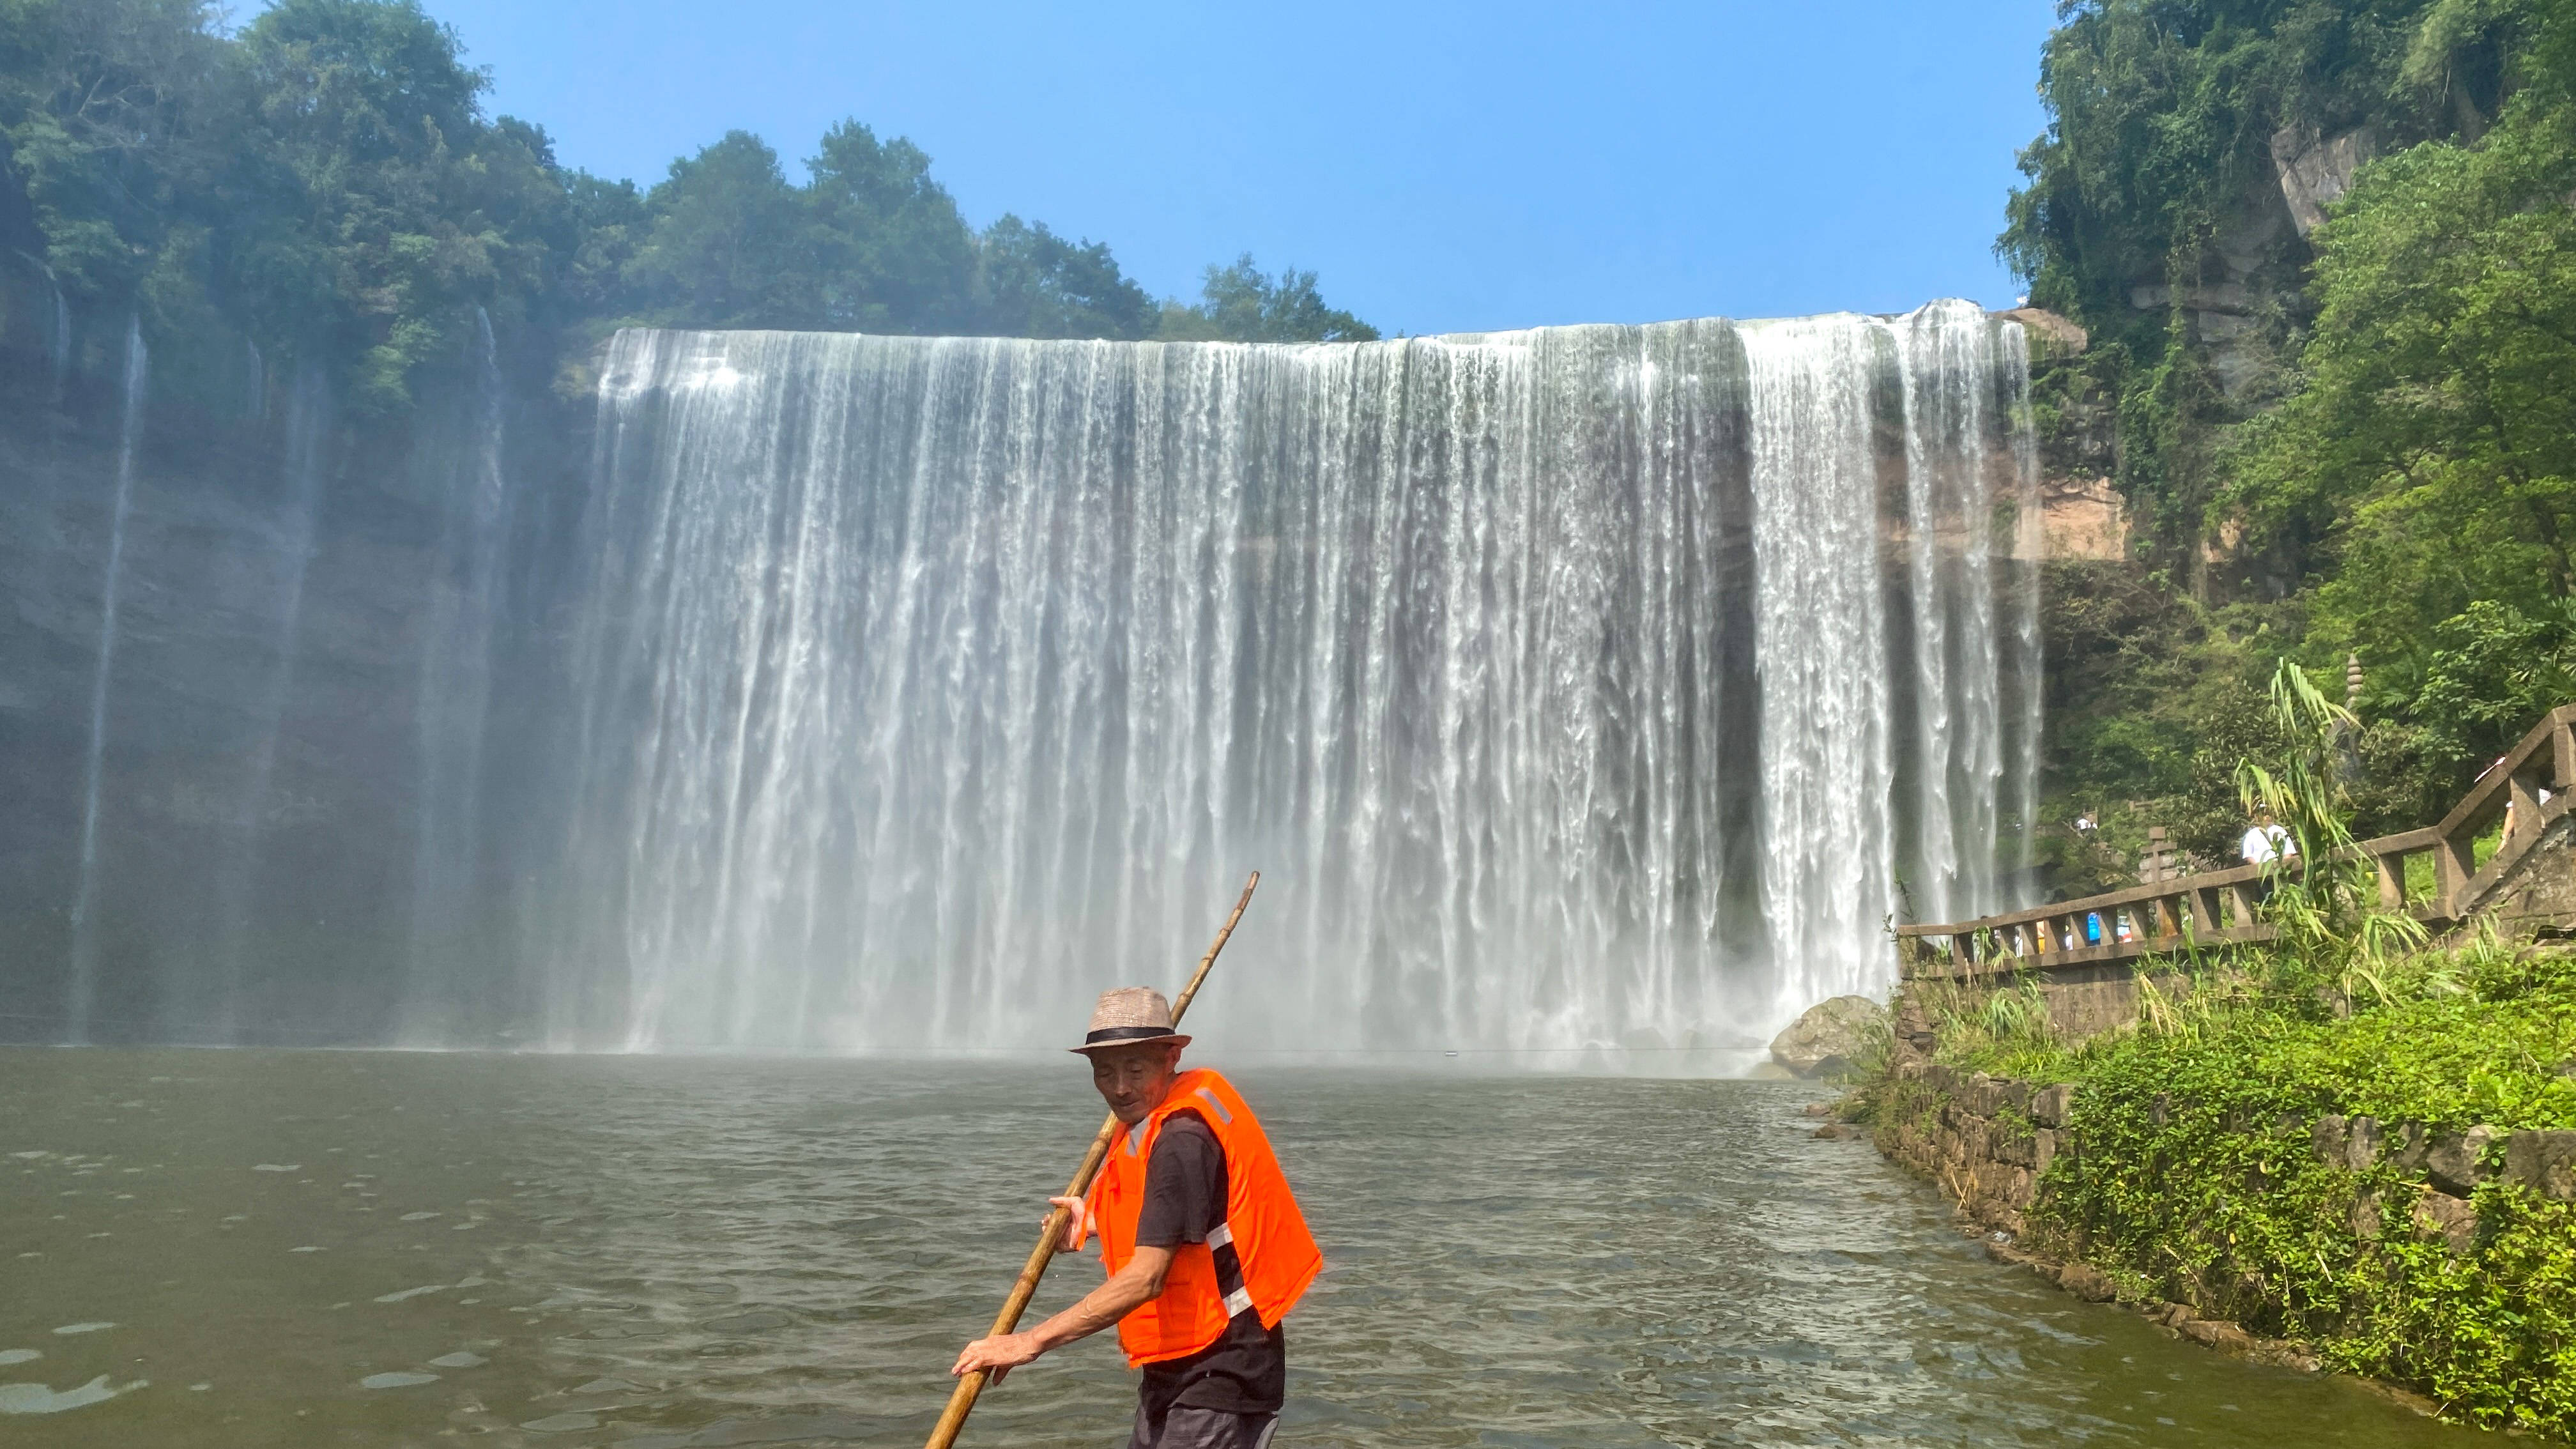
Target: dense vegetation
[323,183]
[2195,1179]
[2194,1176]
[2357,442]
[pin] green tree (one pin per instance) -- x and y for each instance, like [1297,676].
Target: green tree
[325,183]
[2155,186]
[1239,303]
[2429,458]
[1033,283]
[2393,479]
[113,115]
[609,225]
[731,243]
[894,255]
[381,208]
[2498,670]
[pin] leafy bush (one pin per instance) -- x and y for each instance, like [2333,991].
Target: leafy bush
[2195,1174]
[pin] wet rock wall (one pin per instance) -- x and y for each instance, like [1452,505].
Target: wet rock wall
[254,761]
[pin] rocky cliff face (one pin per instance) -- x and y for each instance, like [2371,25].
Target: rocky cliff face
[2084,517]
[299,607]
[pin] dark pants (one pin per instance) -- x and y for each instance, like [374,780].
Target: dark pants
[1182,1427]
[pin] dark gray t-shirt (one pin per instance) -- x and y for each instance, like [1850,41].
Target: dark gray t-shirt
[1246,1370]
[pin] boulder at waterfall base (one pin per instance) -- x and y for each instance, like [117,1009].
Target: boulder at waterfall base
[1827,1040]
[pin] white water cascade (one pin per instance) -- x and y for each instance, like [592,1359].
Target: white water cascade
[1579,689]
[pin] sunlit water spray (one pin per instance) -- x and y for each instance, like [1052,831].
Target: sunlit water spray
[308,430]
[1588,687]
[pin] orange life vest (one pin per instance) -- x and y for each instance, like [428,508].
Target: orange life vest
[1261,1257]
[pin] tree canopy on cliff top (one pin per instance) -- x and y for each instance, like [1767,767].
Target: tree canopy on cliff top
[326,184]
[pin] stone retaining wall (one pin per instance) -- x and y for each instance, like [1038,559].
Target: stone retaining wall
[1990,1141]
[1986,1140]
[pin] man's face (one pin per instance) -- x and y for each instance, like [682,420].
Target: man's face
[1133,1080]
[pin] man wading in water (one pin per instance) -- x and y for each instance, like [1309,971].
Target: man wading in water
[1203,1243]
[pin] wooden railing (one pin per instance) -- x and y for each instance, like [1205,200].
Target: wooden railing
[2218,907]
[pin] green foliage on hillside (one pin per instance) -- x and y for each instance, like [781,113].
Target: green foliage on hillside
[2192,1175]
[2427,460]
[2196,1180]
[2361,442]
[2156,186]
[325,184]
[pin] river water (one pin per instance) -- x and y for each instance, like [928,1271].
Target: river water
[208,1248]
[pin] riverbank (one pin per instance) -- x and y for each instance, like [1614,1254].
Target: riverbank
[2376,1176]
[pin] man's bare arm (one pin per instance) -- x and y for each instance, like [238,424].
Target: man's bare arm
[1128,1289]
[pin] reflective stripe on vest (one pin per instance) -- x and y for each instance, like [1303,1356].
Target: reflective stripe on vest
[1259,1257]
[1210,1098]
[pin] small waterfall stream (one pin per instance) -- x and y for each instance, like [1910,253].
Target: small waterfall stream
[82,994]
[254,381]
[58,336]
[452,713]
[1582,688]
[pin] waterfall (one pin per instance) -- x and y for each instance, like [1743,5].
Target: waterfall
[308,431]
[1821,639]
[2023,675]
[1579,688]
[1960,628]
[452,710]
[82,993]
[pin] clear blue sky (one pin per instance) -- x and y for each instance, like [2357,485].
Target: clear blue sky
[1444,167]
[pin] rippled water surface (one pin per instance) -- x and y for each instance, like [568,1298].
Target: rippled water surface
[238,1248]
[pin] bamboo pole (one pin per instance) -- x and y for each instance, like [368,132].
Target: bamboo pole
[961,1400]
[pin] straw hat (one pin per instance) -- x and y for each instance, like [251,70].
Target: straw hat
[1127,1016]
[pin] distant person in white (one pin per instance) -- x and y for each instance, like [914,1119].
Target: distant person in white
[2511,827]
[2266,842]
